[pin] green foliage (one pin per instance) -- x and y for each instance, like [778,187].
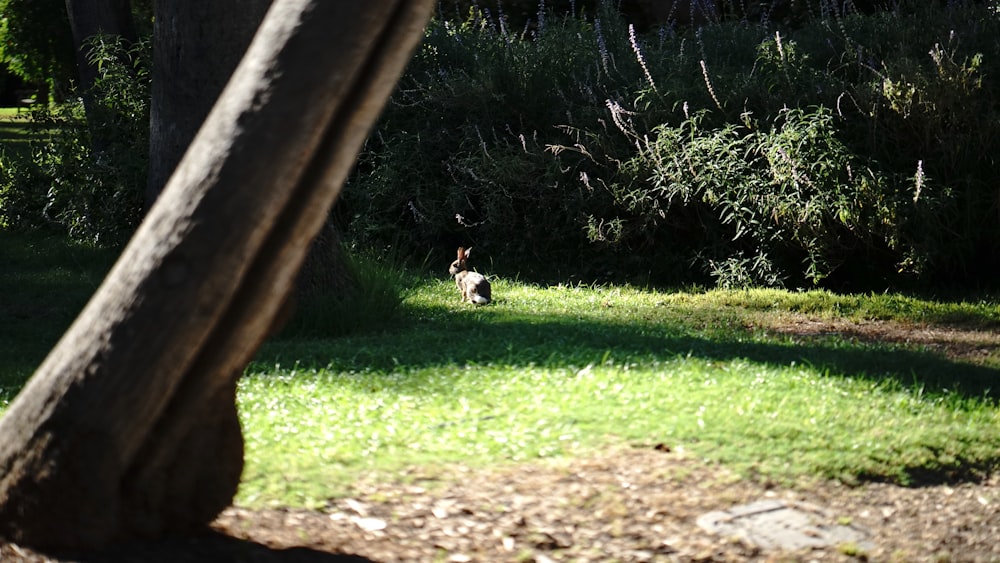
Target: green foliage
[842,153]
[87,176]
[36,42]
[461,155]
[757,192]
[375,301]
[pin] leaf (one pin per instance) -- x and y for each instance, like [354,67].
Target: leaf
[369,524]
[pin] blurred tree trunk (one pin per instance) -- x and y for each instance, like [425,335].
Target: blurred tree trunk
[129,427]
[196,47]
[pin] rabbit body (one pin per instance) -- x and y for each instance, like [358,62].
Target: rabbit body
[475,288]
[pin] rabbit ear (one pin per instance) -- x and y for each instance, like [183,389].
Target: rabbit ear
[468,251]
[461,253]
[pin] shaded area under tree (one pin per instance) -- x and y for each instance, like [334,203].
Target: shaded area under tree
[129,427]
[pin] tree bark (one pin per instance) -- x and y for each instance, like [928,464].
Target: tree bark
[196,47]
[129,426]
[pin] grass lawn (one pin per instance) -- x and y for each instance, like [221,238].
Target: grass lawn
[17,129]
[10,114]
[565,371]
[45,281]
[562,371]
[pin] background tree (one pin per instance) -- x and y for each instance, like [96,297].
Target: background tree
[37,45]
[129,427]
[89,19]
[186,83]
[196,47]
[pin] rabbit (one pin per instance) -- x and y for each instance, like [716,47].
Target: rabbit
[474,286]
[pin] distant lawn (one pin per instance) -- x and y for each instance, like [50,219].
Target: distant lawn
[15,114]
[8,114]
[17,129]
[728,376]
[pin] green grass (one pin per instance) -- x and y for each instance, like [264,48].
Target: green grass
[9,114]
[17,130]
[561,371]
[45,281]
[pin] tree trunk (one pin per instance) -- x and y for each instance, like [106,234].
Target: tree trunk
[196,47]
[88,18]
[129,426]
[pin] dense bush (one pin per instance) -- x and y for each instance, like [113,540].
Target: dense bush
[850,151]
[86,175]
[847,150]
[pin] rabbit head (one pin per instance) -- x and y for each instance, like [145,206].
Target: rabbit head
[474,287]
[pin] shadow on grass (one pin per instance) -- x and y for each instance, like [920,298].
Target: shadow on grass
[440,337]
[18,132]
[45,282]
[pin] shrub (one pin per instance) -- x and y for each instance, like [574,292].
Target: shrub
[86,177]
[374,302]
[461,155]
[751,198]
[845,152]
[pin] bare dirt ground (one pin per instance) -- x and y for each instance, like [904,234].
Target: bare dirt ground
[628,505]
[973,346]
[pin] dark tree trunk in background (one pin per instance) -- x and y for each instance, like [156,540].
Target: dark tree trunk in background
[88,18]
[196,47]
[129,427]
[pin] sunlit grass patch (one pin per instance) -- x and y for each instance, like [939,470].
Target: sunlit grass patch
[561,371]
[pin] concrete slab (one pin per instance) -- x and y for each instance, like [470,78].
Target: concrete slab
[776,524]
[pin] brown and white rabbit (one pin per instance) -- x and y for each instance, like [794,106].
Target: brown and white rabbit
[474,286]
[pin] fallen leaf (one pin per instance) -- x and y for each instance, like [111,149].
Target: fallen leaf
[369,524]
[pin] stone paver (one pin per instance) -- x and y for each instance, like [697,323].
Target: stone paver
[775,524]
